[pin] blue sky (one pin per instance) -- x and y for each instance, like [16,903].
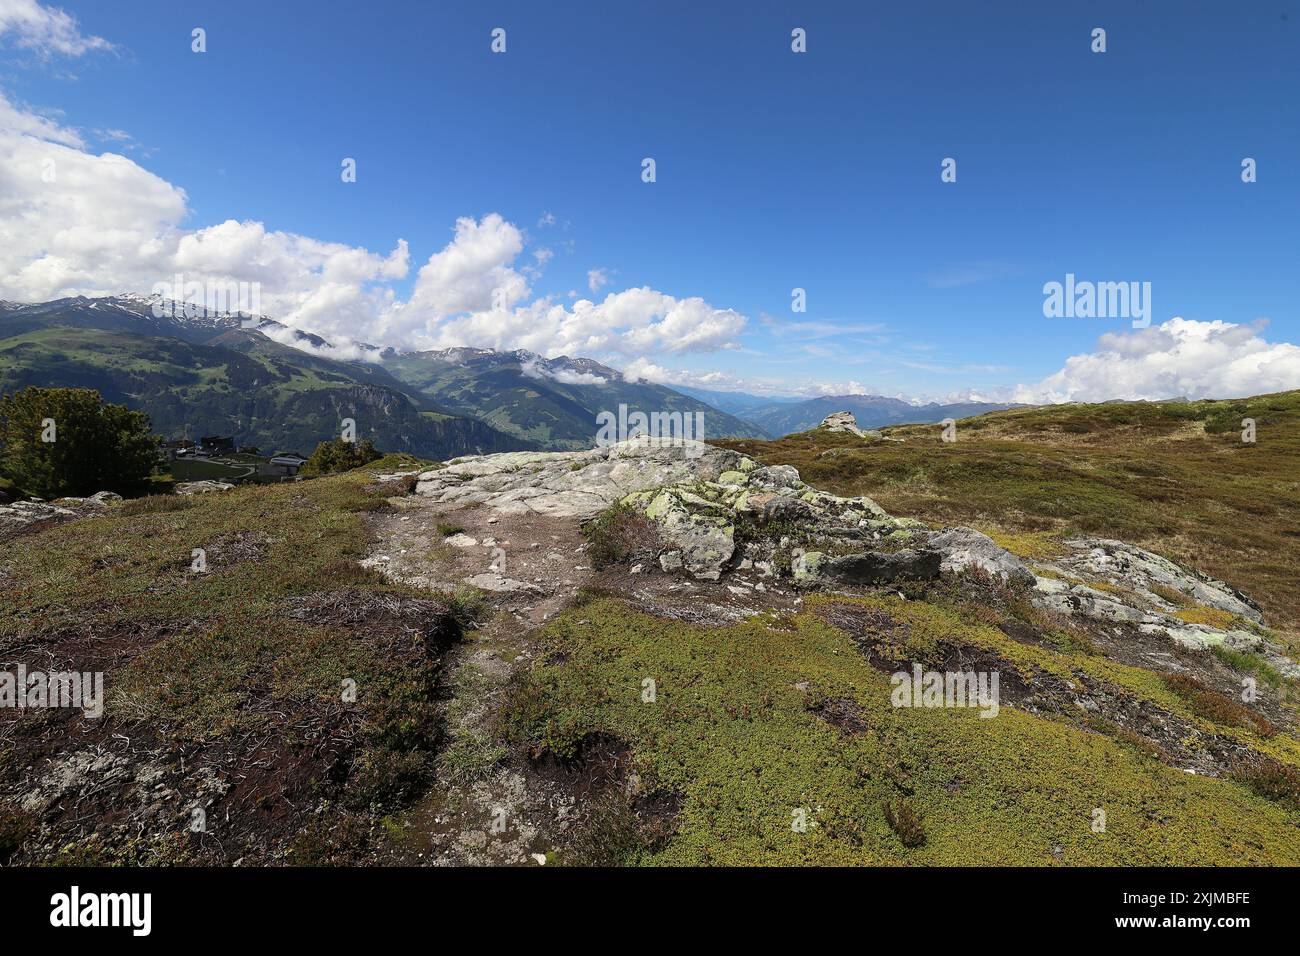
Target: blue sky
[775,170]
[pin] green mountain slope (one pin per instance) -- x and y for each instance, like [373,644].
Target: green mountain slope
[551,402]
[228,381]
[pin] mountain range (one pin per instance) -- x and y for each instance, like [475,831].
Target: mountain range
[279,388]
[784,416]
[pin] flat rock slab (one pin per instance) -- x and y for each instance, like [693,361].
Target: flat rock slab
[490,581]
[573,484]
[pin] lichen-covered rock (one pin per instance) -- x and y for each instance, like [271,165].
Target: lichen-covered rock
[492,581]
[27,512]
[1147,573]
[966,548]
[1120,583]
[205,487]
[697,496]
[574,484]
[806,566]
[697,522]
[19,513]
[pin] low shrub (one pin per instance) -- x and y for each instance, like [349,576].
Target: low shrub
[619,535]
[905,822]
[1216,707]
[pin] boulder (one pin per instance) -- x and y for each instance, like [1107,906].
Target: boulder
[842,422]
[491,581]
[577,484]
[29,512]
[806,567]
[671,560]
[964,548]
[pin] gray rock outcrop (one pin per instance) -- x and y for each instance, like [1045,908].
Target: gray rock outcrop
[20,513]
[715,509]
[841,422]
[205,487]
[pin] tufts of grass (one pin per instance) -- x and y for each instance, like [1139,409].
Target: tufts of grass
[904,821]
[157,504]
[1249,663]
[1035,545]
[15,826]
[470,606]
[1271,780]
[1174,596]
[400,461]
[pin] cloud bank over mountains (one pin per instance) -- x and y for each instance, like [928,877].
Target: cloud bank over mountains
[1180,357]
[73,222]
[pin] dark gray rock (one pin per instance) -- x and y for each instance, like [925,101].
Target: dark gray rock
[785,508]
[875,567]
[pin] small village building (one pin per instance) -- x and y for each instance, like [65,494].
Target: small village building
[284,466]
[217,445]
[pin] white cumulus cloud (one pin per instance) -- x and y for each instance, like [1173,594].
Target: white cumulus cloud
[45,29]
[76,223]
[1181,357]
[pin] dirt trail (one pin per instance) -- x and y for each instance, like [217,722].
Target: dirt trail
[489,806]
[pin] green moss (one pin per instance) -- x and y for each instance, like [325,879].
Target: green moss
[732,731]
[1213,617]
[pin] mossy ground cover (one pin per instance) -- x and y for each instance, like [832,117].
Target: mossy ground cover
[251,653]
[1172,477]
[736,729]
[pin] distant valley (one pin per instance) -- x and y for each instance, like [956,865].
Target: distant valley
[234,375]
[784,416]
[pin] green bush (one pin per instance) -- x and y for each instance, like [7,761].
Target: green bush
[63,442]
[338,455]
